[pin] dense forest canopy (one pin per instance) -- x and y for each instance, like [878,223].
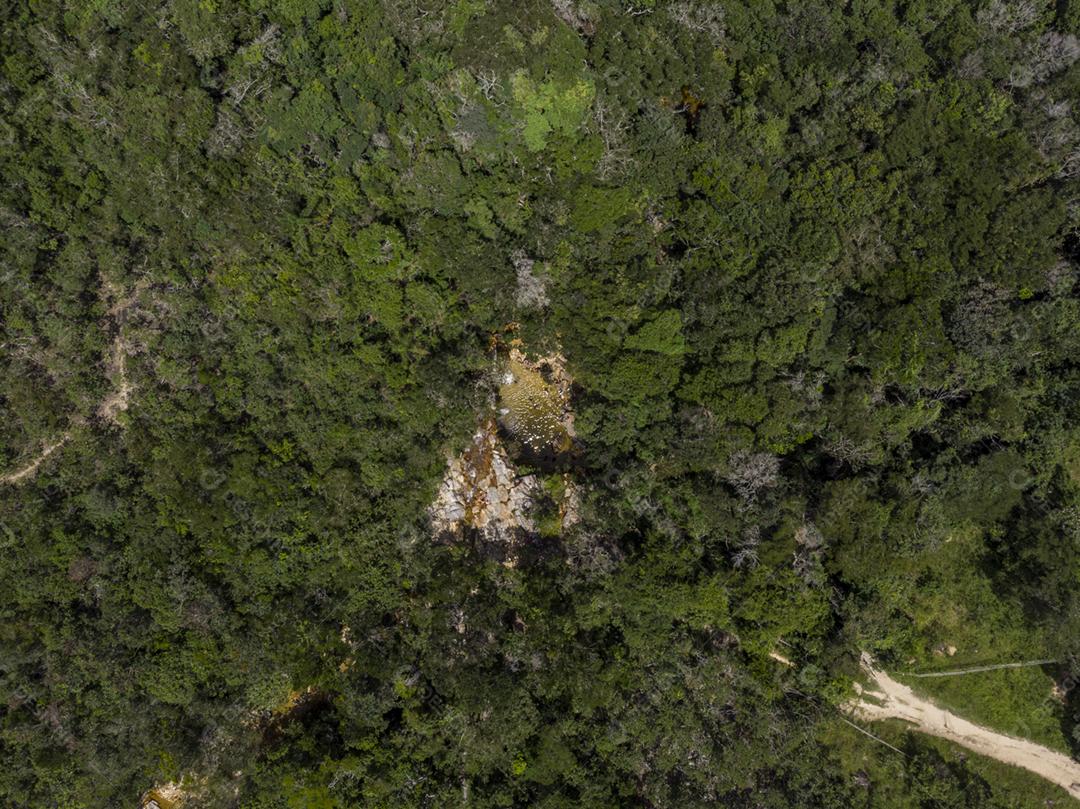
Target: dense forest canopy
[769,309]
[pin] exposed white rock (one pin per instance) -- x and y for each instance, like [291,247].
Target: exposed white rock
[166,796]
[483,490]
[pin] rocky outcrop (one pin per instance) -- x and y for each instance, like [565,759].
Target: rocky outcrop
[166,796]
[483,490]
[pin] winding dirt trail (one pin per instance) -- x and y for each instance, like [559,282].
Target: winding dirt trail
[113,404]
[28,470]
[888,699]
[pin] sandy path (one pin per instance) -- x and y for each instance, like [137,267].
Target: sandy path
[32,467]
[888,699]
[115,369]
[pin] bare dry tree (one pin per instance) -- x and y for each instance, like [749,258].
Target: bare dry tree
[1005,17]
[707,19]
[751,473]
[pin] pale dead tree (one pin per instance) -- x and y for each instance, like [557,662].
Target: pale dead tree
[94,111]
[461,86]
[846,450]
[121,307]
[877,395]
[1070,166]
[13,219]
[469,116]
[1055,132]
[179,585]
[745,556]
[60,54]
[809,550]
[1072,208]
[259,90]
[809,536]
[752,472]
[1050,54]
[921,486]
[1069,518]
[951,391]
[530,293]
[1058,109]
[1055,52]
[700,19]
[270,41]
[489,84]
[867,246]
[1061,277]
[971,66]
[228,133]
[257,55]
[463,139]
[237,90]
[811,388]
[612,125]
[413,21]
[1005,17]
[574,15]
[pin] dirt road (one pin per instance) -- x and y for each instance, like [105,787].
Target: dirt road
[888,699]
